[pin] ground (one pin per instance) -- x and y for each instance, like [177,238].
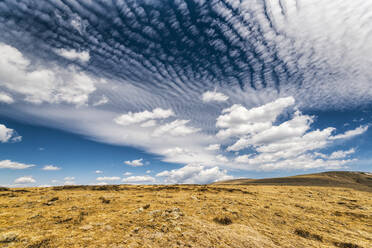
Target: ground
[186,216]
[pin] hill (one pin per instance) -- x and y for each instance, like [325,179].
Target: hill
[356,180]
[218,216]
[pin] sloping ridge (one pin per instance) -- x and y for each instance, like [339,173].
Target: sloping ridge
[357,180]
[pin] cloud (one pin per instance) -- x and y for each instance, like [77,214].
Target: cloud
[213,96]
[175,128]
[290,144]
[8,135]
[74,55]
[337,154]
[138,179]
[101,101]
[7,164]
[98,172]
[351,133]
[135,163]
[148,171]
[38,85]
[194,174]
[69,178]
[25,180]
[237,120]
[108,178]
[133,118]
[213,147]
[127,173]
[5,98]
[51,168]
[71,182]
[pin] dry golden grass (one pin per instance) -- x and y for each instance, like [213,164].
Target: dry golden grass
[186,216]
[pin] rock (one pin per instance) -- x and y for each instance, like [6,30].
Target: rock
[8,237]
[146,206]
[86,227]
[136,230]
[107,228]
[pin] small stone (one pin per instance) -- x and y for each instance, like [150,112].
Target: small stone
[136,230]
[146,206]
[107,228]
[86,227]
[8,237]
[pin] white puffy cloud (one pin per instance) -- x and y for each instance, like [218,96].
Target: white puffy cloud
[51,168]
[133,118]
[237,120]
[213,96]
[8,135]
[336,154]
[290,144]
[98,172]
[135,163]
[222,158]
[69,182]
[8,164]
[150,123]
[69,178]
[351,133]
[213,147]
[25,180]
[194,174]
[138,179]
[175,128]
[108,178]
[38,85]
[5,98]
[127,173]
[74,55]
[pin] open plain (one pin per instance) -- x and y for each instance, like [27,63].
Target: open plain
[218,215]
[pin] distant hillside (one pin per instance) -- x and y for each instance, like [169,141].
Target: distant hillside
[357,180]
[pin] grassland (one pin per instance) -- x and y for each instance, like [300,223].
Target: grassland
[186,216]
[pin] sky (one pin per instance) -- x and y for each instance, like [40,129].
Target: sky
[185,91]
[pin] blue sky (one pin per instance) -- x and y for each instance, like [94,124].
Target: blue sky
[182,91]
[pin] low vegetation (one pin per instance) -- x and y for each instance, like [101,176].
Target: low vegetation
[186,216]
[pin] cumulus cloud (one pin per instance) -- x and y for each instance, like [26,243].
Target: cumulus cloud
[194,174]
[69,178]
[133,118]
[108,178]
[8,164]
[290,144]
[175,128]
[38,85]
[25,180]
[213,147]
[213,96]
[135,163]
[74,55]
[5,98]
[98,172]
[51,168]
[138,179]
[351,133]
[8,135]
[127,173]
[237,120]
